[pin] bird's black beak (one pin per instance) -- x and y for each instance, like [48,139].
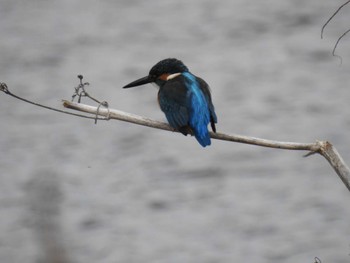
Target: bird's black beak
[139,82]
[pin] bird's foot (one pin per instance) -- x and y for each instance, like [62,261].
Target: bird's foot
[185,130]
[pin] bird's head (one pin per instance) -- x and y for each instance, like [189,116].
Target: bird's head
[161,72]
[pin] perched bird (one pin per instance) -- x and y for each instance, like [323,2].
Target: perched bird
[184,98]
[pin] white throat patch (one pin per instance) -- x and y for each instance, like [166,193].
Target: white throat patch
[173,76]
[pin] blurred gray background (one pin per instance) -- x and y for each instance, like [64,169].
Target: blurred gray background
[72,191]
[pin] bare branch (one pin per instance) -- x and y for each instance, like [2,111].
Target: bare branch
[118,115]
[326,149]
[128,117]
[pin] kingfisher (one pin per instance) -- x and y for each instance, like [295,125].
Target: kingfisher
[184,98]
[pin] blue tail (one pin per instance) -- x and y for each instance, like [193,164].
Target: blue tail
[202,135]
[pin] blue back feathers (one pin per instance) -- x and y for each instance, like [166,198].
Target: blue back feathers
[199,115]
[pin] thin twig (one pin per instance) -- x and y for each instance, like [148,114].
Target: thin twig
[334,14]
[324,26]
[336,44]
[324,148]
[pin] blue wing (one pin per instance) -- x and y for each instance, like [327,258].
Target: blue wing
[206,90]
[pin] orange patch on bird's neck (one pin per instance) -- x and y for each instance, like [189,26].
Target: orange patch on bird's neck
[164,76]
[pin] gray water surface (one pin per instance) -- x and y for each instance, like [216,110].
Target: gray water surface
[72,191]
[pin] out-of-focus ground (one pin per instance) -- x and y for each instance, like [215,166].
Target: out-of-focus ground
[72,191]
